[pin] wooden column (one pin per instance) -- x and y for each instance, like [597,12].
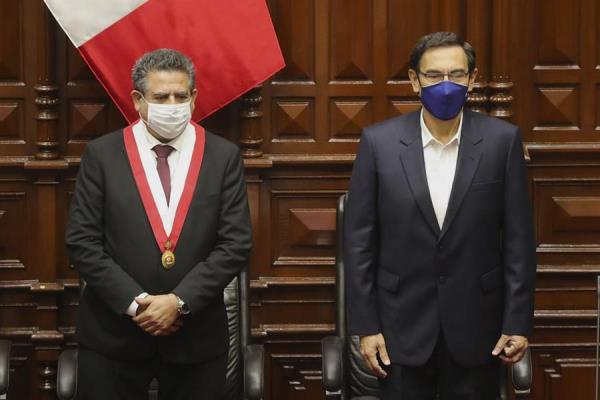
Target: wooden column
[46,166]
[46,88]
[479,21]
[251,135]
[501,84]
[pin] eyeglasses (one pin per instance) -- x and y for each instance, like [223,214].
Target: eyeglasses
[458,75]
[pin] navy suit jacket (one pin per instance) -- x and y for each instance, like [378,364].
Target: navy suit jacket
[406,277]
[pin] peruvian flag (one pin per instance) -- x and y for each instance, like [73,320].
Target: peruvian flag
[231,42]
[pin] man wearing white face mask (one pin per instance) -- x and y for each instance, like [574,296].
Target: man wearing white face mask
[159,225]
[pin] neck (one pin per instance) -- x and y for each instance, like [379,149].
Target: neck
[442,130]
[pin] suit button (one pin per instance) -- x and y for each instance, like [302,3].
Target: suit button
[442,279]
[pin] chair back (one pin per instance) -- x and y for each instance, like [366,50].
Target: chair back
[236,303]
[358,377]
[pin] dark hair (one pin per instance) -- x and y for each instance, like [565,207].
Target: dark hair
[161,60]
[441,39]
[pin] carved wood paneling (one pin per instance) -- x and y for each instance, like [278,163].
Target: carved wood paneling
[565,216]
[557,79]
[296,34]
[87,110]
[293,120]
[349,118]
[14,234]
[304,229]
[351,38]
[12,119]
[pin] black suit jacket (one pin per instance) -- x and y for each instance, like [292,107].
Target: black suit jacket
[111,244]
[406,277]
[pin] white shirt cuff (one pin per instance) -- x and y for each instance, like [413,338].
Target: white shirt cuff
[132,309]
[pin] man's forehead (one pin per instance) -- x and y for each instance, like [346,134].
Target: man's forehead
[441,58]
[157,79]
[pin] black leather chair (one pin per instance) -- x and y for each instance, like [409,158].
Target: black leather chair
[245,367]
[346,375]
[4,365]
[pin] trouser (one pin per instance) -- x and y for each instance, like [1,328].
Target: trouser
[102,378]
[441,377]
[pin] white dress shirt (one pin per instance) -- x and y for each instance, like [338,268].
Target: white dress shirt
[179,163]
[440,166]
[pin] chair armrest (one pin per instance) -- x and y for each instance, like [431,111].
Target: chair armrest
[4,365]
[522,374]
[332,348]
[254,371]
[66,379]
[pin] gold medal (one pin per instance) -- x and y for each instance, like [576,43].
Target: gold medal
[168,257]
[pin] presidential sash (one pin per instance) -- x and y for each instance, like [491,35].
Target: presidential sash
[166,244]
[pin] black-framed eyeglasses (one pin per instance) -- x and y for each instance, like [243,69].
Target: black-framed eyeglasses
[458,75]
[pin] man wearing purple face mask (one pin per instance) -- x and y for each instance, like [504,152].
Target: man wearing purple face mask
[439,247]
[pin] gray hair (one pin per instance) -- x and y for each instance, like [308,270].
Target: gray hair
[161,60]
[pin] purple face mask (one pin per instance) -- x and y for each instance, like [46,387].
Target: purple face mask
[445,99]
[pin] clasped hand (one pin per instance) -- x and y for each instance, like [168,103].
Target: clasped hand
[158,315]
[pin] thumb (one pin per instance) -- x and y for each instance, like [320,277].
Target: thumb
[500,345]
[383,353]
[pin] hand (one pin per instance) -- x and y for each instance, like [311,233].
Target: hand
[369,347]
[174,328]
[158,314]
[141,308]
[514,347]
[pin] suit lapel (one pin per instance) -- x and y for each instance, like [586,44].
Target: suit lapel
[469,154]
[411,155]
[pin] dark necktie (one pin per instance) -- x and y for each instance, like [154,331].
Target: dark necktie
[162,166]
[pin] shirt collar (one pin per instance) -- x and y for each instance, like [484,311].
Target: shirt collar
[427,137]
[176,143]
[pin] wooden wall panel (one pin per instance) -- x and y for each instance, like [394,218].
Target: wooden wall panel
[296,34]
[14,77]
[347,63]
[351,38]
[15,200]
[557,78]
[402,36]
[87,111]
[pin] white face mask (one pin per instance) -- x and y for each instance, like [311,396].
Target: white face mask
[168,120]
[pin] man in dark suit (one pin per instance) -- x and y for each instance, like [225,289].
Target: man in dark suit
[439,247]
[159,225]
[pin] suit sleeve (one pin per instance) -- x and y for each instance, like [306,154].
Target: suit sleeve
[518,245]
[361,243]
[85,239]
[206,281]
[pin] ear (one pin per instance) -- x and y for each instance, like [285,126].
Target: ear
[414,80]
[193,99]
[472,78]
[136,97]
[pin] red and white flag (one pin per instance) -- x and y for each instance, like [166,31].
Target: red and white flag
[232,43]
